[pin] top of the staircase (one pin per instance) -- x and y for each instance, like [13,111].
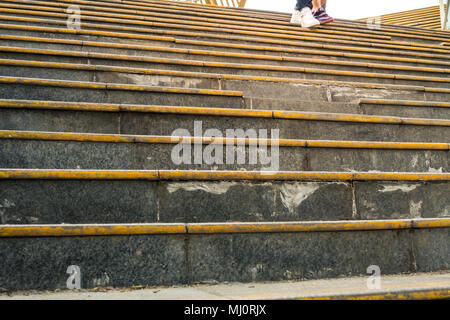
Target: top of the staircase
[427,18]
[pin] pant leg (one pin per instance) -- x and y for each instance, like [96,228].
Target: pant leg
[303,3]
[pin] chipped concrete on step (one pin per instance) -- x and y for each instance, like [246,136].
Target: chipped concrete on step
[292,195]
[399,187]
[210,187]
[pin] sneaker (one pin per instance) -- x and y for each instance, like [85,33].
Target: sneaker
[322,16]
[307,18]
[296,17]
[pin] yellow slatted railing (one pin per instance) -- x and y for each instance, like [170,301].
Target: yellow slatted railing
[220,3]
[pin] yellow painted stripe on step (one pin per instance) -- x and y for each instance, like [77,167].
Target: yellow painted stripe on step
[57,105]
[81,32]
[432,294]
[117,138]
[64,174]
[406,103]
[363,176]
[95,85]
[428,122]
[282,227]
[299,176]
[38,39]
[335,117]
[437,90]
[377,145]
[52,83]
[69,174]
[216,228]
[431,223]
[225,112]
[89,230]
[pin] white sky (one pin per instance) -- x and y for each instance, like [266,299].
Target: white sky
[347,9]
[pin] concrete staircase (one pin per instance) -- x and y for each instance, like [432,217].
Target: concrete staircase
[87,122]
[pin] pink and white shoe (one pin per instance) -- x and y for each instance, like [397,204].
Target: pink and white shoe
[322,16]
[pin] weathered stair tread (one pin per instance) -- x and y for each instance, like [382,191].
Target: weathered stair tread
[394,287]
[217,175]
[343,67]
[145,49]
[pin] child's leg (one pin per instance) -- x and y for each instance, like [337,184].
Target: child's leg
[316,5]
[320,13]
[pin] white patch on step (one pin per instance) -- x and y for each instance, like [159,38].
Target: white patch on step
[254,271]
[414,160]
[3,206]
[433,170]
[446,212]
[209,187]
[399,187]
[292,195]
[414,209]
[101,282]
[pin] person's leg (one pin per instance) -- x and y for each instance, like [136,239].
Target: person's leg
[320,13]
[317,4]
[297,16]
[303,3]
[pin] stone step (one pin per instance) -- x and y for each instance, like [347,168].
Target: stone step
[405,108]
[416,286]
[164,120]
[83,72]
[74,91]
[168,58]
[59,150]
[193,49]
[159,254]
[249,81]
[384,107]
[61,196]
